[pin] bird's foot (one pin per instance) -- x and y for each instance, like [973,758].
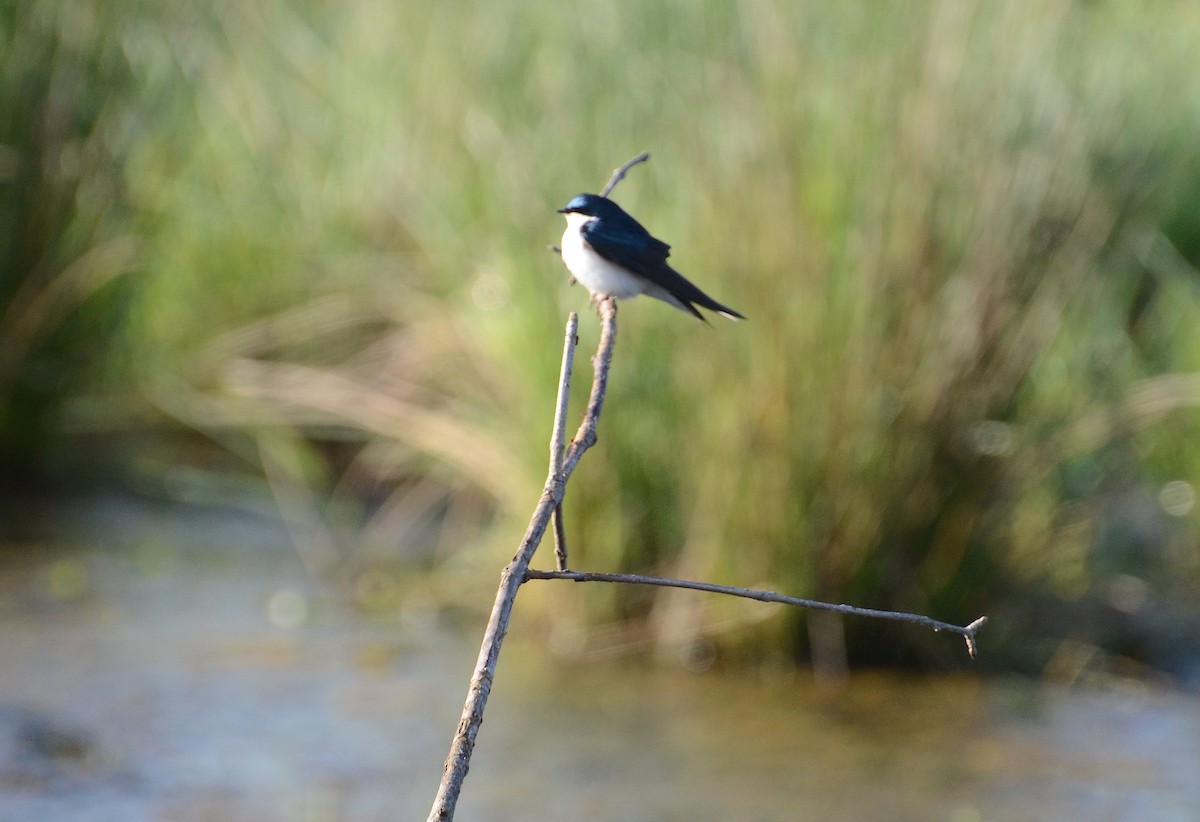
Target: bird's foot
[598,301]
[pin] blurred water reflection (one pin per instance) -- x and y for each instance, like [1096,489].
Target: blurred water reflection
[182,666]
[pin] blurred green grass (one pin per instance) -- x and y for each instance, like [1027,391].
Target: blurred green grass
[965,236]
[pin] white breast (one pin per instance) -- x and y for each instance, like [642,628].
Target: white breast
[597,274]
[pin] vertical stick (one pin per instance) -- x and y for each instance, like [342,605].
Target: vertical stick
[558,439]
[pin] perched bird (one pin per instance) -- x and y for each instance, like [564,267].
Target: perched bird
[614,256]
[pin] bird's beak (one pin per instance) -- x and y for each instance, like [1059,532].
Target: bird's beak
[564,211]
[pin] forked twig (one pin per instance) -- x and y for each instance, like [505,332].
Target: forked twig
[513,575]
[563,461]
[619,174]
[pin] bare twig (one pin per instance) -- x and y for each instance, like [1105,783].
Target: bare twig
[560,539]
[558,439]
[966,631]
[619,174]
[585,437]
[513,575]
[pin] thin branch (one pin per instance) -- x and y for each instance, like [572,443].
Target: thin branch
[585,437]
[558,439]
[619,174]
[513,575]
[966,631]
[560,540]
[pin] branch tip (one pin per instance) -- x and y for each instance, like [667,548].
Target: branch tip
[969,635]
[619,174]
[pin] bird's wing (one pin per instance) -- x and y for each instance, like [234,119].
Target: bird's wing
[646,255]
[633,250]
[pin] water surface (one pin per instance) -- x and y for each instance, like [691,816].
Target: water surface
[171,665]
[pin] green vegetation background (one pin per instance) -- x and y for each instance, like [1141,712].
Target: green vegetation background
[966,236]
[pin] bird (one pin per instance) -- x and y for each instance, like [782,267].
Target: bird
[614,256]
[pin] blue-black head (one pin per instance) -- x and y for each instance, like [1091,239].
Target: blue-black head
[592,205]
